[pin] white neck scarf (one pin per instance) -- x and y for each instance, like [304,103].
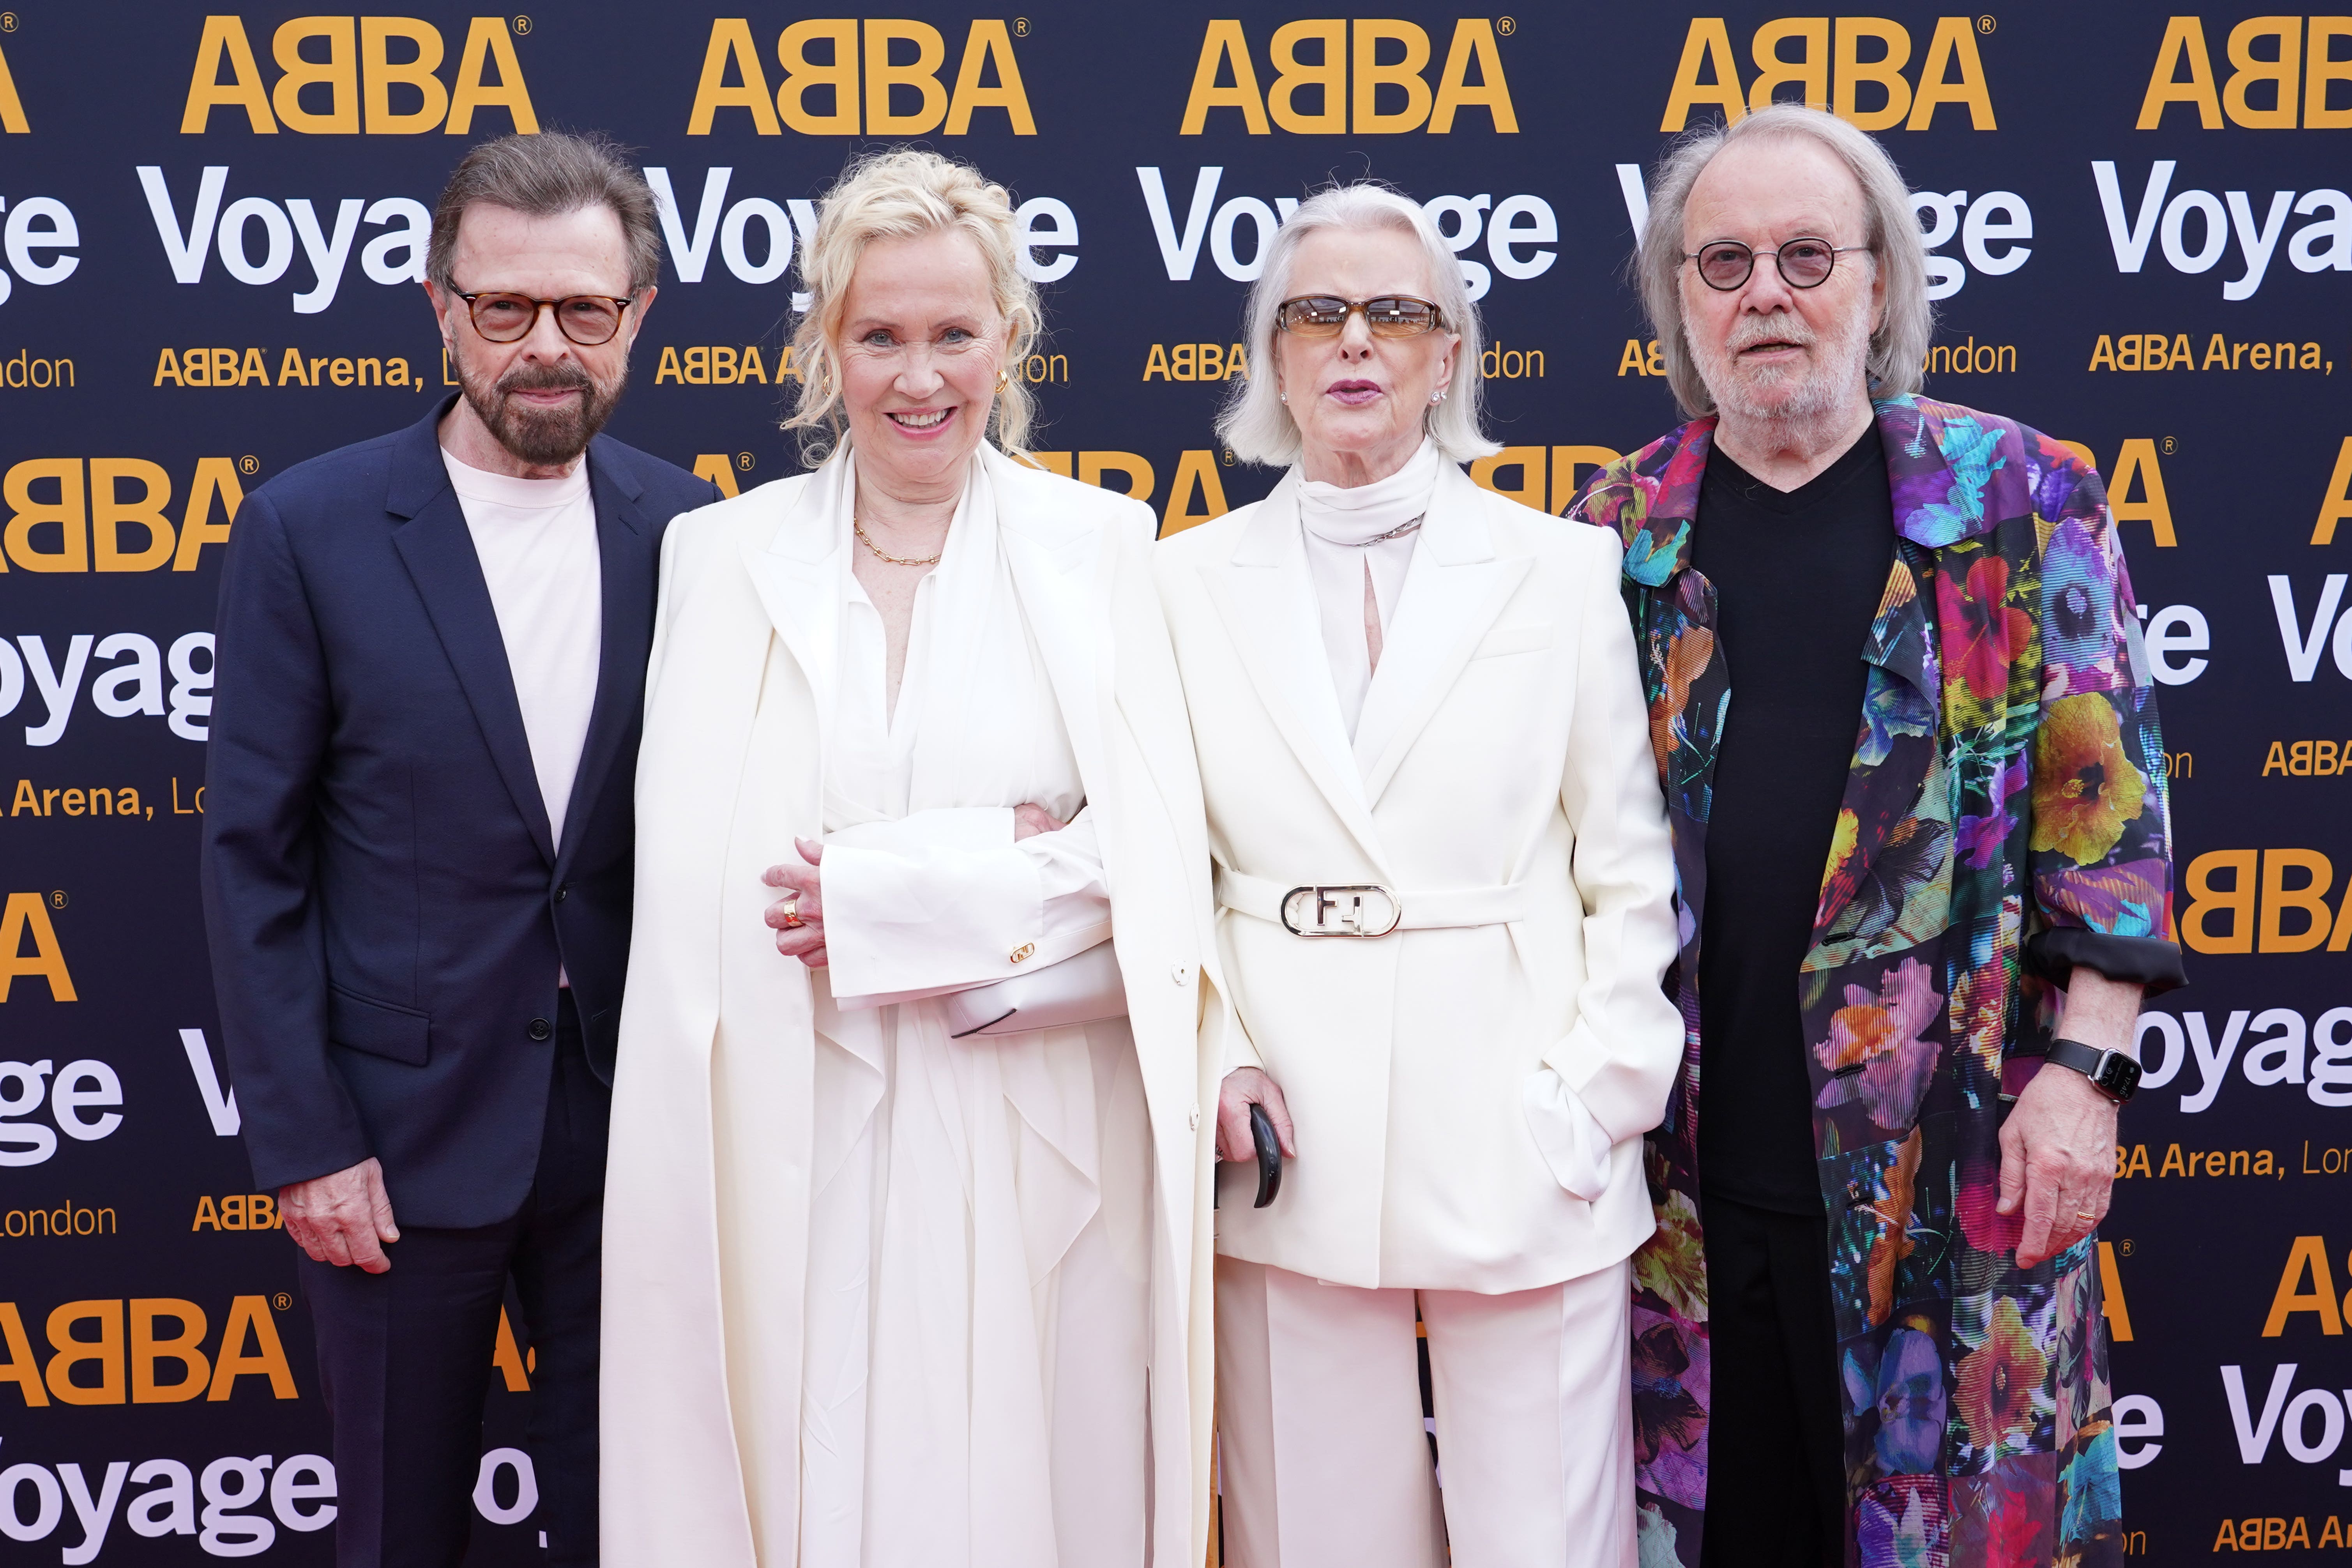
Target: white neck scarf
[1361,513]
[1352,533]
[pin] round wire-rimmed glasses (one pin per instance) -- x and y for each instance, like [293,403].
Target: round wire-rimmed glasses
[587,320]
[1804,263]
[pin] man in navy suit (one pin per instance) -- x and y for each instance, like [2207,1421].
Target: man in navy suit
[417,857]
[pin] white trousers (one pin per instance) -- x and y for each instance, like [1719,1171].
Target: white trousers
[1322,1457]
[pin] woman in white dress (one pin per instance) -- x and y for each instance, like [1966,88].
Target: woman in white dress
[878,1295]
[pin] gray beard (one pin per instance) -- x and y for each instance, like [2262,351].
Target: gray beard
[1820,389]
[543,440]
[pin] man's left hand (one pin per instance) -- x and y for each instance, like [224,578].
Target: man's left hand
[2058,1146]
[2057,1162]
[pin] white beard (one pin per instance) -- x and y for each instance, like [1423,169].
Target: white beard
[1793,394]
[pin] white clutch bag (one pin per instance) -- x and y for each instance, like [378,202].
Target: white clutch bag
[1083,989]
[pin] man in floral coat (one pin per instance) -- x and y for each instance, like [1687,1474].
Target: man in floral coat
[1869,1328]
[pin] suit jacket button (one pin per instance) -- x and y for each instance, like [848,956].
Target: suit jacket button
[541,1029]
[563,892]
[1196,1119]
[1179,974]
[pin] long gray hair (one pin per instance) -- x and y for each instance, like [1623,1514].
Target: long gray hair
[1256,423]
[1899,348]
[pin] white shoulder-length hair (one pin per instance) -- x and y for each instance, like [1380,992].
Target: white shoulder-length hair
[1257,425]
[1898,349]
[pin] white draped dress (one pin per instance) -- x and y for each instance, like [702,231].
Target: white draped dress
[977,1329]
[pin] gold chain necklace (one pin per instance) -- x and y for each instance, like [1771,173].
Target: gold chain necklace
[868,540]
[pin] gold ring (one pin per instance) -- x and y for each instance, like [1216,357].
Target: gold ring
[792,921]
[2085,1215]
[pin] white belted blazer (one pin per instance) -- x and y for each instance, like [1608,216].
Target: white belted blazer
[707,1197]
[1501,789]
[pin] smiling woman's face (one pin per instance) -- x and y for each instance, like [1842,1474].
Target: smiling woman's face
[1359,400]
[920,348]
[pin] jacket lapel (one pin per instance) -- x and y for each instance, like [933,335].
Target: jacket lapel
[1060,570]
[627,542]
[797,570]
[1267,601]
[438,551]
[1453,591]
[1896,750]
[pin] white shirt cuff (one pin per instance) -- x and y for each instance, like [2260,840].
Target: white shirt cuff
[1572,1143]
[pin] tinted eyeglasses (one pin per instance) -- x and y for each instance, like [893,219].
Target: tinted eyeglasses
[1726,264]
[587,320]
[1388,316]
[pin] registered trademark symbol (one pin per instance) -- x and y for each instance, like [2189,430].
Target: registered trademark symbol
[282,1300]
[1986,23]
[522,24]
[743,461]
[2168,446]
[57,899]
[2123,1249]
[1506,25]
[1228,457]
[248,464]
[1020,26]
[7,21]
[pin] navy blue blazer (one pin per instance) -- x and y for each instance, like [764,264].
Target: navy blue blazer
[386,908]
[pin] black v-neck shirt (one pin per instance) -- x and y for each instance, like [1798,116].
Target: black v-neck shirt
[1798,576]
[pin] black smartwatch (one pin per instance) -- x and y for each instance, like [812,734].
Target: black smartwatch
[2111,1073]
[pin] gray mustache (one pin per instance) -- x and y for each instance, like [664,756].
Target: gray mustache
[546,378]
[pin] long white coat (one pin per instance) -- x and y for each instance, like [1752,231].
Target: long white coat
[708,1196]
[1501,772]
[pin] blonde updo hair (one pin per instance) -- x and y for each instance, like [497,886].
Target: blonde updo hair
[900,194]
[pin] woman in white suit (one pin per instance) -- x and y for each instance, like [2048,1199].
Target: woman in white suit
[1445,886]
[882,1292]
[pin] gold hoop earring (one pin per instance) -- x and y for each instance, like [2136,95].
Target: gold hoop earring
[1004,378]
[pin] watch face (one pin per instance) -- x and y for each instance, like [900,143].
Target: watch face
[2119,1075]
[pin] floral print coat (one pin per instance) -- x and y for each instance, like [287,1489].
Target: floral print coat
[2005,817]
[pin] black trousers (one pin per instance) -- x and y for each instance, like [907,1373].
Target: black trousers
[405,1356]
[1776,1444]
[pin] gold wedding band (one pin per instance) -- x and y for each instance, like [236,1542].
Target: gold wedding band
[2084,1214]
[792,921]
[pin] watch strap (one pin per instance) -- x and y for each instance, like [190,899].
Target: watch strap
[2114,1076]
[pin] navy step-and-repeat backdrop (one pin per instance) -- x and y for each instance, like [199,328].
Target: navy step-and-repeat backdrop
[211,229]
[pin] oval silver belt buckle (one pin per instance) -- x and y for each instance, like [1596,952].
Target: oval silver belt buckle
[1338,910]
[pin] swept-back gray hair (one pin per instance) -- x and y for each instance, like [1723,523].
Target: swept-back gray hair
[1257,425]
[546,174]
[1898,349]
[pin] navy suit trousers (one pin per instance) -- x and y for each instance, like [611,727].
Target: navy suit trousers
[405,1356]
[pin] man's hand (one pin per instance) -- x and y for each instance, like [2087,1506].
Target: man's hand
[1245,1087]
[798,918]
[343,1219]
[2058,1146]
[2057,1162]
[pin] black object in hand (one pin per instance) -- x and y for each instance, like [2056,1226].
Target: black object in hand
[1269,1155]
